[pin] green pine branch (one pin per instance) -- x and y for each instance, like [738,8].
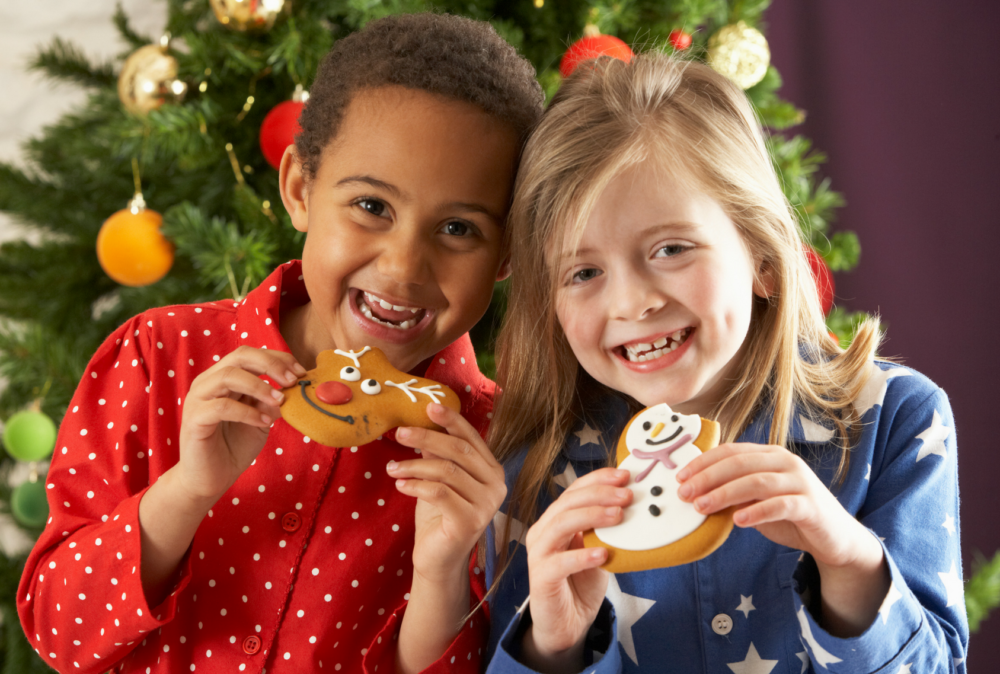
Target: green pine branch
[982,589]
[64,61]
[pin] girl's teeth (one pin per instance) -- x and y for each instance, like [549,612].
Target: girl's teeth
[641,353]
[660,343]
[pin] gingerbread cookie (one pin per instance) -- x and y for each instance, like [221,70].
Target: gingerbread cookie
[352,398]
[658,529]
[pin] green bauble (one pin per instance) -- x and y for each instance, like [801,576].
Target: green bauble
[29,436]
[28,504]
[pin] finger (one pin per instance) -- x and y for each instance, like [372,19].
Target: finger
[473,456]
[617,477]
[438,470]
[557,534]
[281,367]
[209,414]
[453,507]
[596,495]
[231,381]
[557,567]
[746,489]
[791,508]
[716,454]
[732,467]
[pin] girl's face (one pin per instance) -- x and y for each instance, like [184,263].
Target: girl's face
[656,300]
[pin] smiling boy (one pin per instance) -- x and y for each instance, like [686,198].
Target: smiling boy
[190,530]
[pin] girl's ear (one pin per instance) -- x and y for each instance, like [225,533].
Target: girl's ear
[294,190]
[504,271]
[763,283]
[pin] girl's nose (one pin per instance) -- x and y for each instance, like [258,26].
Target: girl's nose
[404,259]
[635,297]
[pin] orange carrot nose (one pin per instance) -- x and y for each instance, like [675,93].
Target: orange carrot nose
[657,428]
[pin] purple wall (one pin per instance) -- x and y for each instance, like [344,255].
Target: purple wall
[904,97]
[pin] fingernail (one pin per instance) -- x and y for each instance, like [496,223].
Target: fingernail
[290,378]
[402,433]
[685,490]
[702,503]
[597,553]
[611,512]
[400,483]
[437,408]
[266,419]
[622,493]
[683,475]
[277,395]
[621,473]
[741,517]
[299,369]
[391,466]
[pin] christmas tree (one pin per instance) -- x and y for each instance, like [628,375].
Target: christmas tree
[191,125]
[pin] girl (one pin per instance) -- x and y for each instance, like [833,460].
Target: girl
[657,261]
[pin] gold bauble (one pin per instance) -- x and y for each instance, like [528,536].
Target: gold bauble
[740,53]
[149,79]
[244,15]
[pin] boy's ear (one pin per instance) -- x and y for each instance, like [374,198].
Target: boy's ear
[294,190]
[504,271]
[763,283]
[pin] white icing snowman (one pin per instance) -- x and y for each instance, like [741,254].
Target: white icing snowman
[660,443]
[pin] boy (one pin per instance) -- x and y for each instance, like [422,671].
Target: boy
[188,529]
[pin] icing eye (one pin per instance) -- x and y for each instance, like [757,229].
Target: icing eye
[350,373]
[656,491]
[371,387]
[646,426]
[674,418]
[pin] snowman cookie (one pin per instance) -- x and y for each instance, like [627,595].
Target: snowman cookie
[658,528]
[351,398]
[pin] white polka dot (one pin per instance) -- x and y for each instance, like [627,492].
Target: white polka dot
[134,362]
[287,654]
[342,556]
[306,439]
[267,322]
[278,451]
[381,502]
[220,541]
[134,428]
[315,572]
[197,310]
[92,456]
[315,467]
[184,333]
[190,361]
[90,494]
[282,544]
[101,401]
[342,489]
[328,597]
[261,489]
[139,611]
[208,332]
[270,516]
[441,360]
[243,336]
[368,542]
[211,583]
[468,389]
[354,516]
[395,527]
[354,583]
[236,501]
[159,345]
[83,431]
[289,477]
[368,476]
[111,425]
[300,613]
[256,556]
[463,361]
[222,612]
[215,358]
[246,529]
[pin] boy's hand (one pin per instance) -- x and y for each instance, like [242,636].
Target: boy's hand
[567,585]
[227,416]
[459,487]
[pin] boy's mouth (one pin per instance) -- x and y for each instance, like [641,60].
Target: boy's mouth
[383,312]
[641,352]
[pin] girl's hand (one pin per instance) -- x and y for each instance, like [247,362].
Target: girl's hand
[779,495]
[459,487]
[567,585]
[226,418]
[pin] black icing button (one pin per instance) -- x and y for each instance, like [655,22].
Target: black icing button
[655,510]
[656,491]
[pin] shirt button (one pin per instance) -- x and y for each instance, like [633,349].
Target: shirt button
[251,645]
[291,522]
[722,624]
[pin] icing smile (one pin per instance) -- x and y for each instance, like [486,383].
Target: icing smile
[305,396]
[672,436]
[641,352]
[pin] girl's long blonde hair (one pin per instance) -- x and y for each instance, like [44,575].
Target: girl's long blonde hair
[689,120]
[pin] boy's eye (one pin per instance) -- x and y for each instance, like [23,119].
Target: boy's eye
[585,275]
[373,206]
[457,228]
[670,250]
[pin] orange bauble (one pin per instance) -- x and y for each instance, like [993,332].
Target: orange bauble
[131,249]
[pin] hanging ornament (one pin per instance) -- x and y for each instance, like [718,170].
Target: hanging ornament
[281,125]
[823,277]
[29,435]
[28,504]
[248,15]
[740,53]
[591,46]
[149,79]
[130,246]
[679,40]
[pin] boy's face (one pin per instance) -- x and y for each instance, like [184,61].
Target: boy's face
[404,220]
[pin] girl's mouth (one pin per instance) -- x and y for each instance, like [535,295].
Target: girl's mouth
[642,352]
[392,316]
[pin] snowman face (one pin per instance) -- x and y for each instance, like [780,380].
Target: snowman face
[659,426]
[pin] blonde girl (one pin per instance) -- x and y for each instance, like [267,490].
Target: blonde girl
[655,260]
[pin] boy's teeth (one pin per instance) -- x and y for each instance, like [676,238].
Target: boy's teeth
[404,325]
[371,300]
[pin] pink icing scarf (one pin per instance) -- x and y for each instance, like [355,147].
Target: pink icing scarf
[662,455]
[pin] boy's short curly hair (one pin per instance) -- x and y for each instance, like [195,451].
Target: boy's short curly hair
[452,56]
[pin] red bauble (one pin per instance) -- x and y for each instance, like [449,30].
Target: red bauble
[590,47]
[679,39]
[278,130]
[823,277]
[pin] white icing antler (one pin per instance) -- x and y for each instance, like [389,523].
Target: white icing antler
[353,356]
[426,390]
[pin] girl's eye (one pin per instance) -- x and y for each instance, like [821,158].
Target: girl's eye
[373,206]
[671,250]
[457,228]
[585,275]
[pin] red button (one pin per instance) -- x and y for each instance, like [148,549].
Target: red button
[251,645]
[334,393]
[291,522]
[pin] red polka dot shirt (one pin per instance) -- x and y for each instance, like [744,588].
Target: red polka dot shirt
[304,564]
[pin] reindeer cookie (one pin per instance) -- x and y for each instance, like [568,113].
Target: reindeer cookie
[658,529]
[351,398]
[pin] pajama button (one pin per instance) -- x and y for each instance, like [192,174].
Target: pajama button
[722,624]
[251,645]
[291,522]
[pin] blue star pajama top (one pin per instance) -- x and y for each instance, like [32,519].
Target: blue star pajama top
[745,608]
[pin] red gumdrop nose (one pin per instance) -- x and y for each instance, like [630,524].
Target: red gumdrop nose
[334,393]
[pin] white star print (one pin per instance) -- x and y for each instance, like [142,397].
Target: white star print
[588,435]
[874,390]
[822,656]
[952,585]
[517,529]
[891,598]
[933,438]
[904,669]
[813,432]
[746,605]
[868,475]
[804,657]
[567,477]
[949,523]
[753,664]
[629,609]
